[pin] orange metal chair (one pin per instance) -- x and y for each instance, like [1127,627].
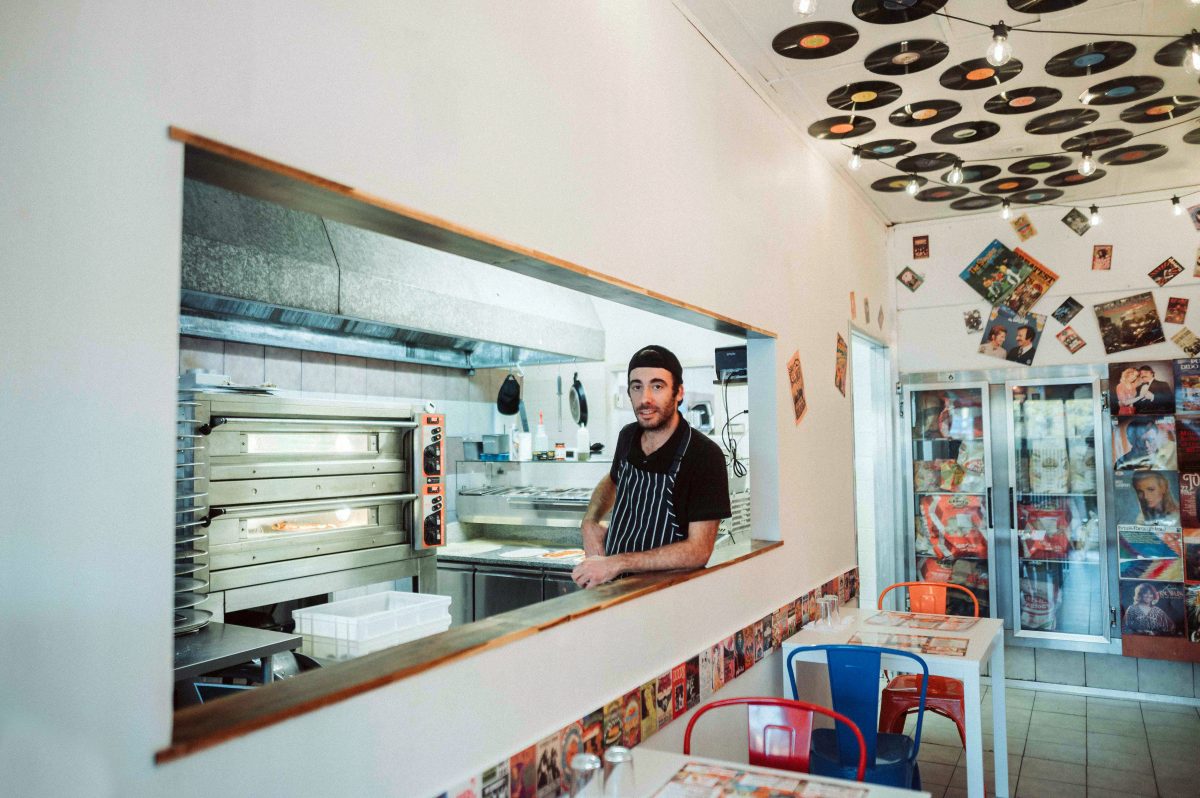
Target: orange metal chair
[780,731]
[944,695]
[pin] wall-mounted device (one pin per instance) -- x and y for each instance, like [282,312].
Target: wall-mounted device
[433,446]
[433,517]
[730,364]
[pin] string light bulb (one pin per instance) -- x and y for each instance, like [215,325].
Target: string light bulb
[1006,211]
[1191,56]
[1176,207]
[913,186]
[1088,165]
[1000,50]
[856,159]
[956,175]
[805,8]
[1094,216]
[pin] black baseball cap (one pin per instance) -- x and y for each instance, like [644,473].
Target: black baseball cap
[656,357]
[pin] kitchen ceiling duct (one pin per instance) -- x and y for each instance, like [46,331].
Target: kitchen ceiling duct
[257,272]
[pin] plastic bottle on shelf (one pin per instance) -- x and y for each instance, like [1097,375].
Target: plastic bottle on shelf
[540,442]
[583,443]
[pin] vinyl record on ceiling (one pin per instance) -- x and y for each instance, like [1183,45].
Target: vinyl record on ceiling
[1192,136]
[894,12]
[1036,195]
[1061,121]
[975,203]
[864,95]
[841,127]
[1007,185]
[941,193]
[973,173]
[907,57]
[895,183]
[1122,90]
[979,74]
[1040,164]
[1090,59]
[1042,6]
[1160,109]
[965,132]
[1023,101]
[1138,153]
[926,162]
[1172,54]
[1097,139]
[886,148]
[1071,177]
[926,112]
[814,40]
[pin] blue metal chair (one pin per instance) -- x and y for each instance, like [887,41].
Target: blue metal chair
[854,686]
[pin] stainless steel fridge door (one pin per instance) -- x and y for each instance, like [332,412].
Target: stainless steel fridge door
[499,590]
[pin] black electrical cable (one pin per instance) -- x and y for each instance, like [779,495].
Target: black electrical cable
[727,439]
[1059,32]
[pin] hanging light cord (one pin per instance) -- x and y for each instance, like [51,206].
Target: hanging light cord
[1060,32]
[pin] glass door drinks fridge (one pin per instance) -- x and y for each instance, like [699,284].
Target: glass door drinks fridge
[1059,573]
[950,498]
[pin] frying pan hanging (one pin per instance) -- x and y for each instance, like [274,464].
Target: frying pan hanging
[578,401]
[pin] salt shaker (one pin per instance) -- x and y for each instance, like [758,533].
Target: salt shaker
[618,772]
[587,778]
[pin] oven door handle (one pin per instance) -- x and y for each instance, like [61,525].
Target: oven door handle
[311,504]
[310,422]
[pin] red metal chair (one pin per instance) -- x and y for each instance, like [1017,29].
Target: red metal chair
[780,731]
[944,695]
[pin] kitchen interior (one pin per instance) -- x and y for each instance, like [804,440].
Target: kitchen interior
[379,440]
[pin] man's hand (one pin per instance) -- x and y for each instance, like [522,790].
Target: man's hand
[593,537]
[595,571]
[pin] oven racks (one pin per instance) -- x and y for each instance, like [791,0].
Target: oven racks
[191,512]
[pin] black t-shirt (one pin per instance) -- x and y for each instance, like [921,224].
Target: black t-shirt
[702,484]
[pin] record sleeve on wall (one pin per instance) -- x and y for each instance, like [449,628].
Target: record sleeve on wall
[1152,608]
[1129,323]
[1187,385]
[1147,498]
[1012,337]
[995,273]
[1144,442]
[1037,282]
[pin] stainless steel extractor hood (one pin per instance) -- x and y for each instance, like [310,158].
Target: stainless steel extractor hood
[257,272]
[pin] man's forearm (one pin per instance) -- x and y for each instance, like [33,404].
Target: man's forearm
[601,502]
[691,553]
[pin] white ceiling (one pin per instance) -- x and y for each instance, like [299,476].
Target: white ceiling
[744,30]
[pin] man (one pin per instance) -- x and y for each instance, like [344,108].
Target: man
[1023,352]
[667,488]
[1153,396]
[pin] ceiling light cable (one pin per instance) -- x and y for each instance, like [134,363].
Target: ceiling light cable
[1000,50]
[1022,29]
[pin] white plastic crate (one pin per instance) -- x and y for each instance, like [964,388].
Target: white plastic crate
[362,620]
[333,648]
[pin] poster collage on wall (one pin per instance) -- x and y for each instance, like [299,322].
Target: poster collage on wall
[1156,482]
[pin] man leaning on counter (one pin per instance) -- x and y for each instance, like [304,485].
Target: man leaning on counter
[667,488]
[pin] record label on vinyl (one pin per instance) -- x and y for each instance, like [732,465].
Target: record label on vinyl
[841,127]
[1122,90]
[973,173]
[815,40]
[965,133]
[1097,140]
[887,148]
[1023,101]
[894,12]
[1138,153]
[1090,59]
[927,112]
[1061,121]
[864,95]
[1007,185]
[979,74]
[1160,109]
[1073,178]
[907,57]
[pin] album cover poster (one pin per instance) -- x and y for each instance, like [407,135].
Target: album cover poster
[1011,337]
[867,310]
[679,689]
[910,279]
[1191,555]
[879,318]
[1147,498]
[1024,227]
[809,605]
[839,365]
[767,625]
[570,744]
[593,732]
[692,681]
[549,766]
[1194,215]
[706,673]
[1129,323]
[1033,287]
[759,644]
[1102,257]
[1070,339]
[1166,271]
[1152,608]
[1187,442]
[792,624]
[1148,552]
[1142,387]
[1176,310]
[1193,613]
[796,381]
[665,699]
[972,321]
[1187,385]
[1077,220]
[522,773]
[467,788]
[494,781]
[995,273]
[730,654]
[1196,267]
[779,627]
[739,652]
[1066,311]
[717,653]
[612,724]
[853,307]
[631,719]
[1186,340]
[920,247]
[649,698]
[1189,499]
[1144,442]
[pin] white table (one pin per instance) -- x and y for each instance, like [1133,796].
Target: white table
[985,640]
[653,769]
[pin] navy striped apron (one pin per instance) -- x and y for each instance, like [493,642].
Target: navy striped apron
[643,516]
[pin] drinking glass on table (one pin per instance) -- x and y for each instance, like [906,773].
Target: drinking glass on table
[618,772]
[587,776]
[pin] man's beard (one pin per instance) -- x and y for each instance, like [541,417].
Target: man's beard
[655,423]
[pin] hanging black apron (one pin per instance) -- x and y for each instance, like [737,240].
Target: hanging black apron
[643,516]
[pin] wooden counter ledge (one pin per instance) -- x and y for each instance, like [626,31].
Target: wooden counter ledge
[205,725]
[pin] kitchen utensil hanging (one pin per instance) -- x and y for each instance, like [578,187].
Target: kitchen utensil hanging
[578,399]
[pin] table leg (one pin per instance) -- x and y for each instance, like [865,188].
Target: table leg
[999,723]
[974,736]
[268,671]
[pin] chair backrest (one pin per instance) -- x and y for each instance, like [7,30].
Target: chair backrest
[854,685]
[780,731]
[929,597]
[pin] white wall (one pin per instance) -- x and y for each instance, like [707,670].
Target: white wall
[931,335]
[608,134]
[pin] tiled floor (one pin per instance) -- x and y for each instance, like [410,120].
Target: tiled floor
[1065,746]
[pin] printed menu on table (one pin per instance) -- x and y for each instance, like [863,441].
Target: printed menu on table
[698,780]
[945,623]
[918,644]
